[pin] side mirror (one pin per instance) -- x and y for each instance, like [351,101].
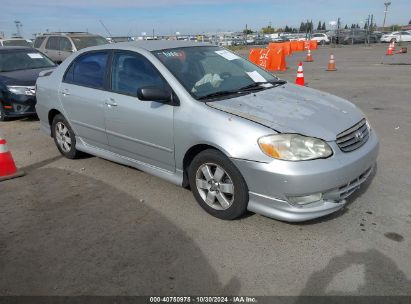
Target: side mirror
[154,94]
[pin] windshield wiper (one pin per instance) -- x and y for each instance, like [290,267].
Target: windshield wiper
[219,94]
[258,85]
[244,90]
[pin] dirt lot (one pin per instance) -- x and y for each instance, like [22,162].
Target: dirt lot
[93,227]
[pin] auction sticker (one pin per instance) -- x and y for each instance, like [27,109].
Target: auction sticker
[227,55]
[35,55]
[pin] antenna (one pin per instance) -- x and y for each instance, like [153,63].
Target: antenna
[107,30]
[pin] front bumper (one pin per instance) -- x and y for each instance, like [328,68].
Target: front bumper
[19,105]
[337,177]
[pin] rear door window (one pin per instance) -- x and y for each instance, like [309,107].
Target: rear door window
[88,70]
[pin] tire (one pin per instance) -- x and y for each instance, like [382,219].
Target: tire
[393,40]
[64,137]
[224,188]
[2,113]
[322,42]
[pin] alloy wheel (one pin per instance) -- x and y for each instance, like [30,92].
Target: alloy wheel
[215,186]
[63,137]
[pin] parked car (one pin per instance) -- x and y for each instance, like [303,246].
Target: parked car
[321,38]
[357,37]
[16,42]
[396,36]
[19,69]
[200,116]
[58,46]
[280,39]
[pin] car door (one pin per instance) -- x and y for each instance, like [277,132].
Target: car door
[405,36]
[65,48]
[82,93]
[51,49]
[141,130]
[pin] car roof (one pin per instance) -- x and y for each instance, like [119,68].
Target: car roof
[151,45]
[68,34]
[16,48]
[15,38]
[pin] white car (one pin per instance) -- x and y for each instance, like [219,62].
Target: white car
[321,38]
[396,36]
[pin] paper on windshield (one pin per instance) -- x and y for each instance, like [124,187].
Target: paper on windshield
[35,55]
[227,55]
[257,77]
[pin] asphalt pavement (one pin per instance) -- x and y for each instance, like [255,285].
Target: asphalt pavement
[93,227]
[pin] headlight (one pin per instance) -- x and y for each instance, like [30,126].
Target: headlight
[21,90]
[294,147]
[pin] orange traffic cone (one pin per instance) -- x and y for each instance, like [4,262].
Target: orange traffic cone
[8,169]
[331,64]
[389,50]
[309,57]
[393,45]
[300,75]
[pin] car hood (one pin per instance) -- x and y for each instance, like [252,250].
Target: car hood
[295,109]
[21,77]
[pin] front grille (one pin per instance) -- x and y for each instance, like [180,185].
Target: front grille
[344,191]
[354,137]
[348,189]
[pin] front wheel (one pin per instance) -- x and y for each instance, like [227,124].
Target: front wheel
[64,137]
[218,185]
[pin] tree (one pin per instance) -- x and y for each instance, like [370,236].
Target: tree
[268,30]
[247,31]
[409,22]
[323,27]
[346,27]
[319,26]
[303,27]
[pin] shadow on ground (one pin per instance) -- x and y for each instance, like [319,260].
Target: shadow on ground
[68,234]
[381,276]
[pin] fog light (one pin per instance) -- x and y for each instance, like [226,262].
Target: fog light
[304,200]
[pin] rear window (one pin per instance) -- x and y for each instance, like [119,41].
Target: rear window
[83,42]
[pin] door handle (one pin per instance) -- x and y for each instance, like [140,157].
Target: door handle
[111,103]
[65,92]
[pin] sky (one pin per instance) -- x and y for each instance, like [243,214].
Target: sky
[166,17]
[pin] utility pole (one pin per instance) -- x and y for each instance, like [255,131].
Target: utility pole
[18,27]
[387,4]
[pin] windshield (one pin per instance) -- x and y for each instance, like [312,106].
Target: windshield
[204,71]
[16,42]
[23,60]
[83,42]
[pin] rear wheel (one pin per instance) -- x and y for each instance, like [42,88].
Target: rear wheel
[218,185]
[64,137]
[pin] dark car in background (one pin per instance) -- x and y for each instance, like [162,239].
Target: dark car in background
[19,69]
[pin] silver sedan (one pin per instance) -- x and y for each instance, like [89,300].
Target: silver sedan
[202,117]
